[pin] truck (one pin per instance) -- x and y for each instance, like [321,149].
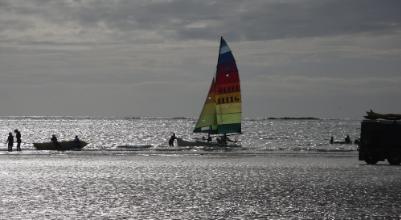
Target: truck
[380,140]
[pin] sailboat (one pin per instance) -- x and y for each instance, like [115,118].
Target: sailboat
[221,112]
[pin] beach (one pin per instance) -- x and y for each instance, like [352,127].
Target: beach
[276,185]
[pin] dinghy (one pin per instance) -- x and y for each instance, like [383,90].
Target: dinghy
[61,146]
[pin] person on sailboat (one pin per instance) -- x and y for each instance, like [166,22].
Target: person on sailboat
[208,138]
[347,140]
[171,140]
[223,139]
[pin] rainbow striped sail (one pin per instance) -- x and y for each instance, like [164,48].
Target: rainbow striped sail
[221,113]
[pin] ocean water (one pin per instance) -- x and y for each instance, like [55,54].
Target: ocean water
[107,133]
[287,170]
[221,186]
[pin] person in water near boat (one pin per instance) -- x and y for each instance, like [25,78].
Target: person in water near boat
[171,140]
[347,140]
[18,137]
[10,141]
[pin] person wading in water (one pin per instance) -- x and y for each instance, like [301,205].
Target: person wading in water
[171,140]
[18,136]
[10,141]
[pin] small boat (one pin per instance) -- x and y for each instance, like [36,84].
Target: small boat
[221,112]
[374,116]
[62,145]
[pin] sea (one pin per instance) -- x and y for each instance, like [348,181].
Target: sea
[286,169]
[258,135]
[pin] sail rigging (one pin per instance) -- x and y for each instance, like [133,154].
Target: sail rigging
[221,112]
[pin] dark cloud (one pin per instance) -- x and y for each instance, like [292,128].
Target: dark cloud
[321,18]
[249,20]
[245,20]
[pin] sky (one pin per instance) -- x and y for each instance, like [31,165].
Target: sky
[322,58]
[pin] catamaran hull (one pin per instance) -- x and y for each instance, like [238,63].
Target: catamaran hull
[184,143]
[63,145]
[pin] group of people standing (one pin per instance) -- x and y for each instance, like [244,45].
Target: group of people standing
[10,140]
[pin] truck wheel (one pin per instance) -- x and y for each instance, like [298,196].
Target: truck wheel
[394,159]
[370,159]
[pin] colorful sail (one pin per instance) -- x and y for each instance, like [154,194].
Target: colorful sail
[221,112]
[207,121]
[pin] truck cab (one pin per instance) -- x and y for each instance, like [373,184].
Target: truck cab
[380,140]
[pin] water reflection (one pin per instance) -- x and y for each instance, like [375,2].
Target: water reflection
[193,187]
[258,135]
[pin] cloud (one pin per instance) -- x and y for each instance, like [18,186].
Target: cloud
[157,21]
[145,51]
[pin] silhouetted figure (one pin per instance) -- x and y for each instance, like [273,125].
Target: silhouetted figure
[223,139]
[55,141]
[18,137]
[218,140]
[347,140]
[171,140]
[209,138]
[331,140]
[10,141]
[77,141]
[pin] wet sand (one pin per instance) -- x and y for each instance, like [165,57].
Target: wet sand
[192,186]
